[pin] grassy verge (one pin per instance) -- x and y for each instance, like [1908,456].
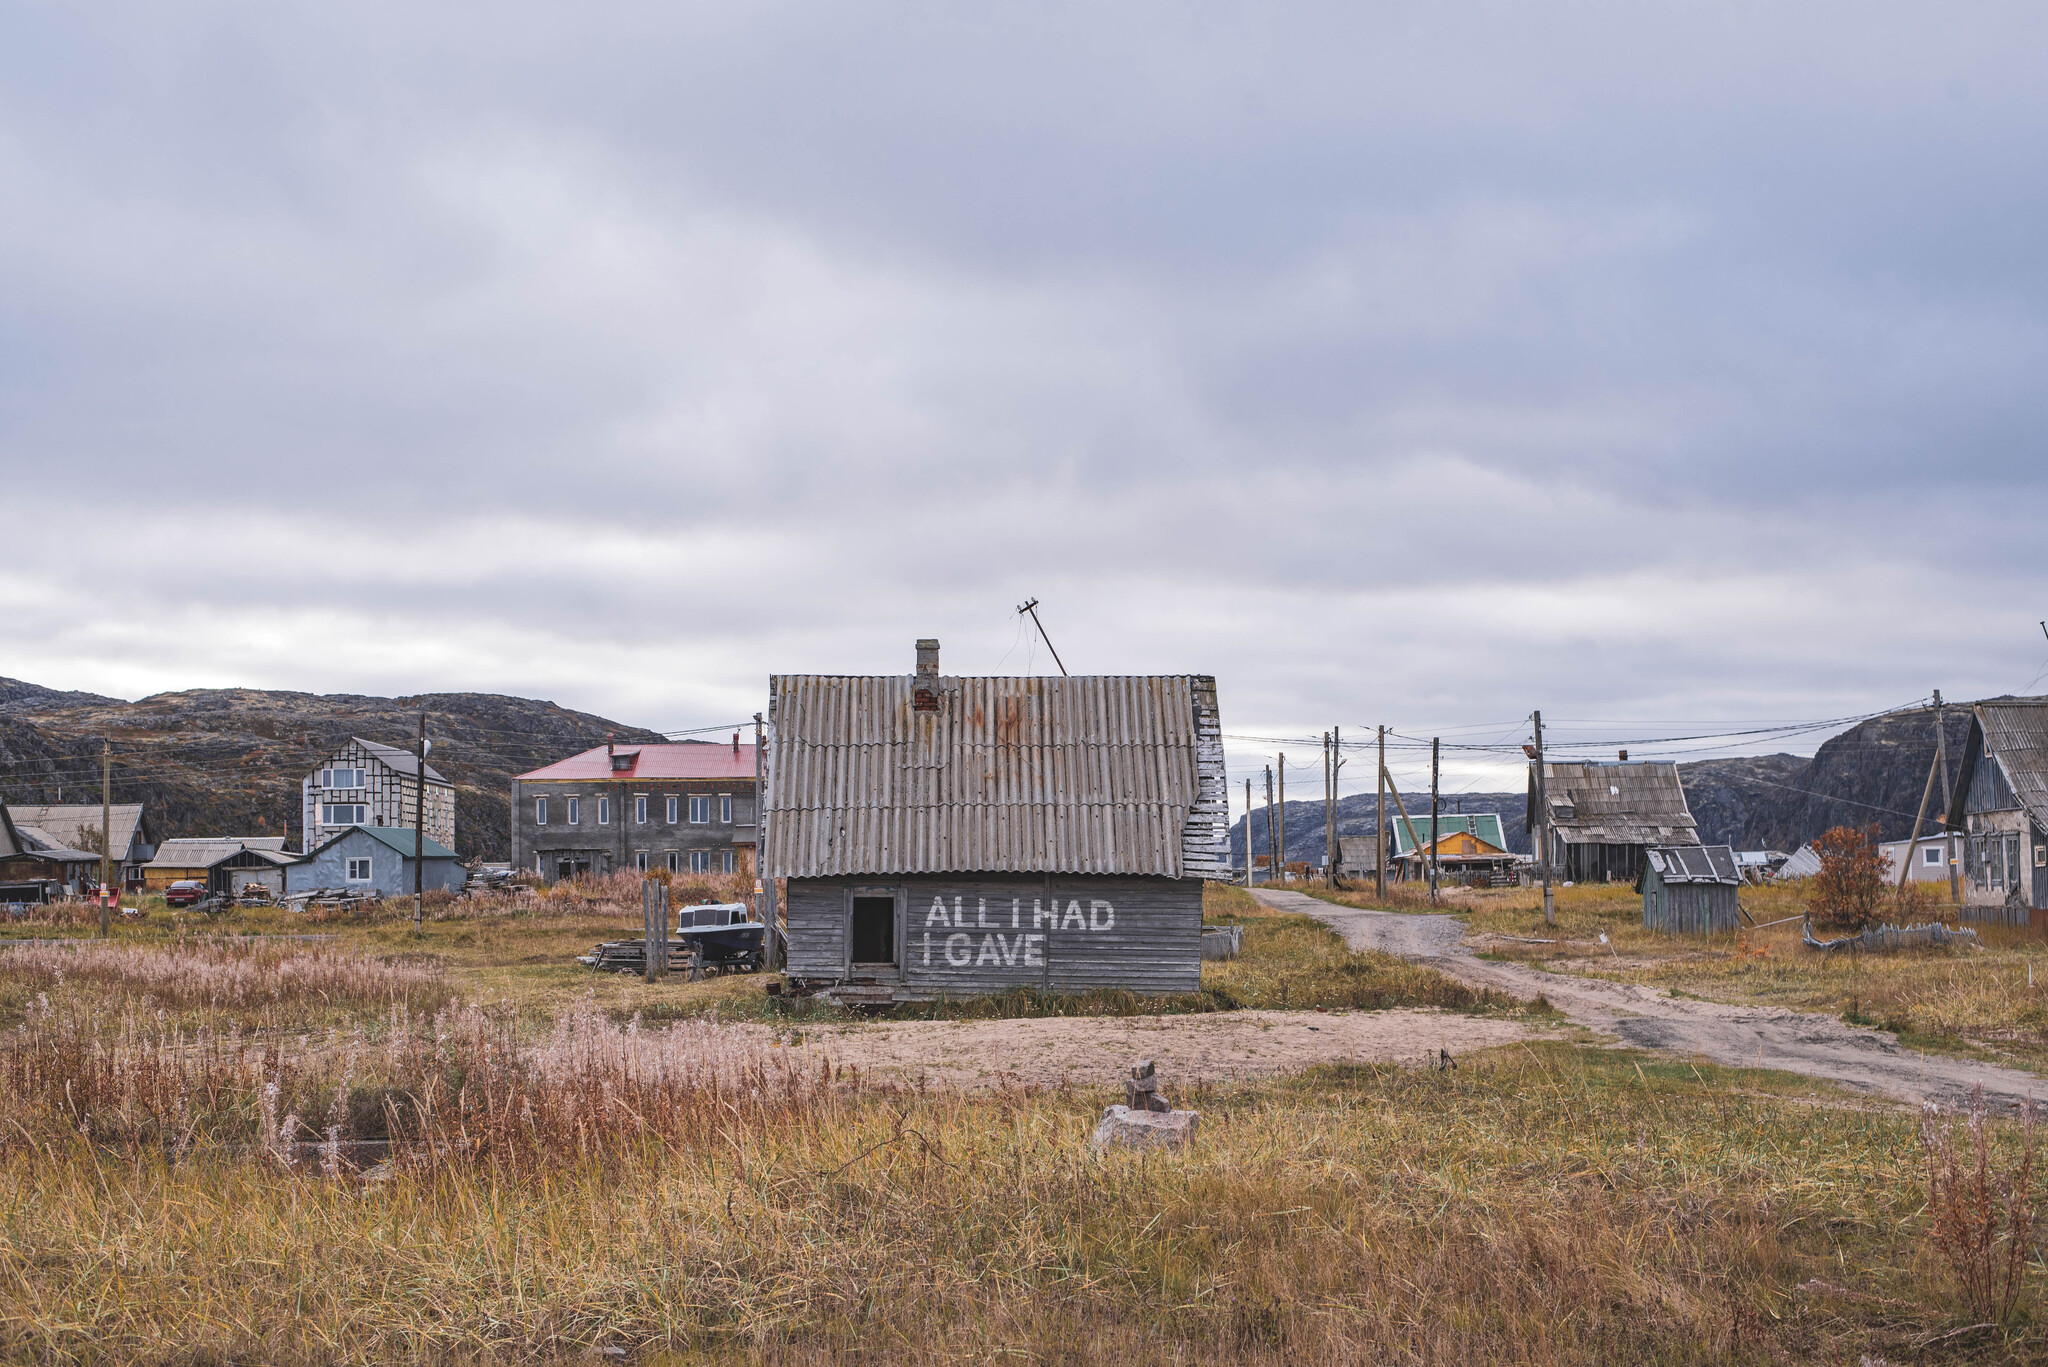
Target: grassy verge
[1543,1204]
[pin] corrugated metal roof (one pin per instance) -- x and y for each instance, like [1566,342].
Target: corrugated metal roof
[2016,733]
[199,852]
[66,822]
[651,762]
[1485,825]
[1106,774]
[37,841]
[1615,804]
[399,838]
[1694,863]
[404,761]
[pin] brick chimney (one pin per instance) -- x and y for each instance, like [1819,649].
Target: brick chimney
[928,659]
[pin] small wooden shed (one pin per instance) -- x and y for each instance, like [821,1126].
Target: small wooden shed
[947,835]
[1690,889]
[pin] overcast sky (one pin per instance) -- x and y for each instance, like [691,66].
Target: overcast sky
[1420,364]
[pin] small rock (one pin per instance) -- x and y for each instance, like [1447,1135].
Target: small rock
[1122,1127]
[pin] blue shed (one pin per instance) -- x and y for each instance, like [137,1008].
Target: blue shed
[377,859]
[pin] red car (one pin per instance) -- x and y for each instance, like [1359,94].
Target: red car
[185,892]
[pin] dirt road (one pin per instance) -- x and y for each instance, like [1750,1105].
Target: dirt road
[1736,1036]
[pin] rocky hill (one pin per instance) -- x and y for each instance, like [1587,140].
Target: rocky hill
[229,761]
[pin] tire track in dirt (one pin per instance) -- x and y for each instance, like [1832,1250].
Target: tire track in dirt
[1865,1060]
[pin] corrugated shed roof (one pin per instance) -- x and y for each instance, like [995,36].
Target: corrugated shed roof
[66,822]
[651,762]
[1641,803]
[1103,774]
[2015,731]
[1694,863]
[35,840]
[199,852]
[399,838]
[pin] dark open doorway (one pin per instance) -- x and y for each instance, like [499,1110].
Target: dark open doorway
[874,931]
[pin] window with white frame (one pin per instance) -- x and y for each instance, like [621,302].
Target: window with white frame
[700,813]
[673,802]
[675,862]
[725,808]
[700,861]
[575,805]
[640,861]
[342,778]
[640,809]
[540,811]
[356,870]
[343,814]
[725,862]
[1932,855]
[604,811]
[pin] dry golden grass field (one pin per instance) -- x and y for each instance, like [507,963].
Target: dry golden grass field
[565,1165]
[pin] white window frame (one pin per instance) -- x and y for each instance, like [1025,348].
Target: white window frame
[575,810]
[349,866]
[540,811]
[604,811]
[640,861]
[725,809]
[726,861]
[675,806]
[328,809]
[640,809]
[700,802]
[700,861]
[1932,856]
[675,861]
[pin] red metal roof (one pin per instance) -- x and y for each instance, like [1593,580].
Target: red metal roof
[652,762]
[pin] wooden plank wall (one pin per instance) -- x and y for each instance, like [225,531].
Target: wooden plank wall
[983,933]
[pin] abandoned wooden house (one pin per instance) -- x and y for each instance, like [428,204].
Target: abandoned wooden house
[226,863]
[1470,847]
[35,868]
[368,784]
[76,826]
[1602,817]
[1999,811]
[687,808]
[946,835]
[1690,889]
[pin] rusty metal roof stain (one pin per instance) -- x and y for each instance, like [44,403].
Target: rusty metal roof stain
[1103,774]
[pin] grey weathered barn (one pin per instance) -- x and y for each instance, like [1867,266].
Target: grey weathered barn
[948,835]
[1690,889]
[2000,810]
[1603,816]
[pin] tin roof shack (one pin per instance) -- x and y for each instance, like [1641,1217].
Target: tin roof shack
[76,826]
[1470,845]
[35,868]
[378,859]
[2000,809]
[945,835]
[366,783]
[227,863]
[1603,816]
[1690,889]
[685,808]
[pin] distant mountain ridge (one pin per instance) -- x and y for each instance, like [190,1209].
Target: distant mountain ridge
[228,761]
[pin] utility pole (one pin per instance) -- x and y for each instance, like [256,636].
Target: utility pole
[419,836]
[771,933]
[1435,826]
[1948,800]
[1336,777]
[1247,832]
[1283,818]
[1031,607]
[106,835]
[1542,846]
[1269,824]
[1329,820]
[1380,828]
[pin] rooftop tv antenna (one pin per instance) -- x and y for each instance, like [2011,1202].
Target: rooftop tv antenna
[1031,606]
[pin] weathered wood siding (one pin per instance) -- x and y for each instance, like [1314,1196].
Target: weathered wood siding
[1687,908]
[968,933]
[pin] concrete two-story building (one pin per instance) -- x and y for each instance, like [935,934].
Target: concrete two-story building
[366,783]
[687,808]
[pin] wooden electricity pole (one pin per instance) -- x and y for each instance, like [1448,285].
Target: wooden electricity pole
[1336,777]
[771,926]
[1435,821]
[1247,832]
[1329,820]
[1269,824]
[1283,818]
[419,836]
[1948,800]
[1380,828]
[106,835]
[1542,846]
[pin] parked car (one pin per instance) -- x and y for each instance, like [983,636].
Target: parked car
[185,892]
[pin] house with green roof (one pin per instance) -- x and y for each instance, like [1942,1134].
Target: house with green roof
[377,859]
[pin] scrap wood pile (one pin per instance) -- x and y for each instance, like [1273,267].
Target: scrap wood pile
[333,901]
[1893,937]
[630,956]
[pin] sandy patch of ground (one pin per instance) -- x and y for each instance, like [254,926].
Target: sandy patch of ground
[1097,1051]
